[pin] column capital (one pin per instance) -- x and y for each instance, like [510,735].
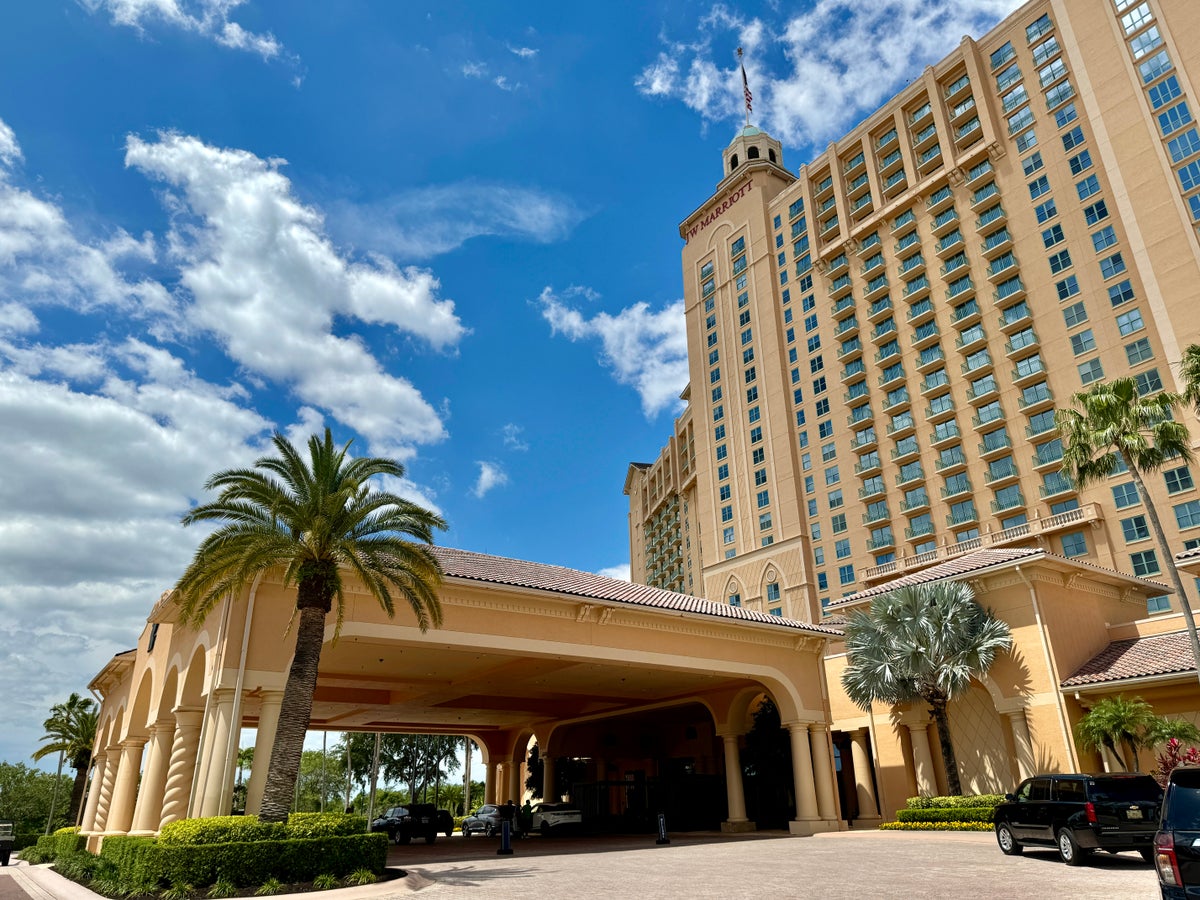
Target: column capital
[188,716]
[860,733]
[818,727]
[922,728]
[135,742]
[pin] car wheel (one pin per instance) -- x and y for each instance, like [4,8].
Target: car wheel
[430,838]
[466,831]
[1069,851]
[490,831]
[1009,845]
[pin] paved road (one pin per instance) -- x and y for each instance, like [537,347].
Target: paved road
[698,867]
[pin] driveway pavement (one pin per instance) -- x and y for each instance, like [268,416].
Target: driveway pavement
[698,866]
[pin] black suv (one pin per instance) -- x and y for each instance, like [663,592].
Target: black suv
[1081,813]
[403,823]
[1177,844]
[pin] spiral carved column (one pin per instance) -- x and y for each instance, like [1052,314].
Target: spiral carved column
[112,761]
[184,749]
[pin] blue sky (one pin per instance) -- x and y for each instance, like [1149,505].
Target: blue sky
[447,231]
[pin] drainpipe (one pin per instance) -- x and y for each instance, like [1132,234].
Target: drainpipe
[235,724]
[1053,670]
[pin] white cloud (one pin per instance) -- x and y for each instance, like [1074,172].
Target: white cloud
[620,571]
[10,150]
[266,281]
[511,434]
[208,18]
[523,52]
[502,82]
[430,221]
[490,476]
[645,349]
[16,319]
[474,69]
[842,59]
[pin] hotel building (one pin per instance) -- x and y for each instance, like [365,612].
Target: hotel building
[878,343]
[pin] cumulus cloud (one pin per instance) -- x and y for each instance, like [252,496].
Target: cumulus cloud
[620,572]
[502,82]
[266,281]
[430,221]
[644,349]
[490,476]
[523,52]
[207,18]
[841,60]
[474,69]
[10,150]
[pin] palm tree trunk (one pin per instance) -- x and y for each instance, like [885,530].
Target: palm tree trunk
[294,714]
[78,788]
[937,709]
[1176,581]
[1112,748]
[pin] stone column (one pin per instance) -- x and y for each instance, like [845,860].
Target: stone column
[818,736]
[148,811]
[802,775]
[493,780]
[88,822]
[185,747]
[513,782]
[264,741]
[216,749]
[112,761]
[734,792]
[1022,742]
[923,761]
[863,784]
[120,812]
[549,790]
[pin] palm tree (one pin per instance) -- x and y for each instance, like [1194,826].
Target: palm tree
[922,642]
[71,732]
[1113,721]
[1189,371]
[312,519]
[1115,424]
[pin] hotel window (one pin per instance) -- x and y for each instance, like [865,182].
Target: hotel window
[1096,212]
[1003,55]
[1189,176]
[726,513]
[1145,562]
[1020,121]
[822,581]
[1059,94]
[1083,342]
[841,549]
[1068,287]
[836,501]
[1045,50]
[1125,495]
[725,492]
[1072,138]
[1060,261]
[1111,266]
[1052,236]
[1128,323]
[1135,529]
[1075,314]
[1104,238]
[1139,351]
[1164,92]
[1066,115]
[1074,544]
[1090,371]
[1155,66]
[723,471]
[1161,603]
[753,414]
[1122,292]
[1080,162]
[1178,480]
[748,355]
[832,476]
[1042,26]
[773,591]
[751,374]
[735,599]
[1145,42]
[846,574]
[1148,382]
[727,535]
[1087,187]
[1136,18]
[756,434]
[1187,515]
[1046,211]
[1174,118]
[1026,141]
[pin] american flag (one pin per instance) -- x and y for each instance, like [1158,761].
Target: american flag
[746,91]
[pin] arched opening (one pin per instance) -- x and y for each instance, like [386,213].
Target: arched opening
[733,162]
[734,592]
[771,154]
[767,775]
[752,153]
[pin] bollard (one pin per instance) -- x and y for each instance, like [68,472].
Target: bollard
[505,839]
[662,829]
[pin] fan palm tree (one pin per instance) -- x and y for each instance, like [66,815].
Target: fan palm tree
[924,642]
[314,519]
[1113,721]
[71,732]
[1113,424]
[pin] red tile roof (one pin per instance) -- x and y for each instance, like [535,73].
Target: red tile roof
[539,576]
[1158,654]
[1188,555]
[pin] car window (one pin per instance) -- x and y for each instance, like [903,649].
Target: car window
[1023,792]
[1040,790]
[1069,790]
[1138,787]
[1181,808]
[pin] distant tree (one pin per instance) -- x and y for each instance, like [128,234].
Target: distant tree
[26,795]
[924,642]
[71,732]
[313,519]
[1112,426]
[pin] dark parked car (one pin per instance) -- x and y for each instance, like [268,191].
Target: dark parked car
[1177,844]
[6,841]
[1079,814]
[403,823]
[487,820]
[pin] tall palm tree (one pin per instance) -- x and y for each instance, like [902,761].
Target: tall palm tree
[1115,424]
[71,732]
[924,642]
[312,518]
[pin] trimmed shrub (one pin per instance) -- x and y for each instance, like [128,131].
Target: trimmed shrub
[969,801]
[21,841]
[965,814]
[127,857]
[936,826]
[64,842]
[328,824]
[221,830]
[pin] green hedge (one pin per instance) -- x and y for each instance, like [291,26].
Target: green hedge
[935,826]
[21,841]
[63,842]
[328,824]
[967,802]
[245,863]
[961,814]
[221,830]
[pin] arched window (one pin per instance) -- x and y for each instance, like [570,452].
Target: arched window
[771,154]
[733,162]
[752,153]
